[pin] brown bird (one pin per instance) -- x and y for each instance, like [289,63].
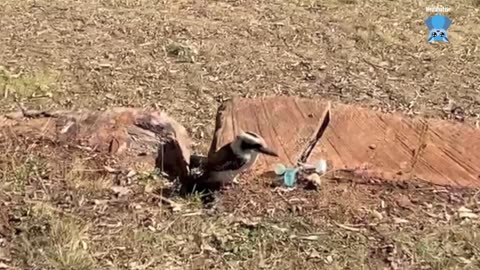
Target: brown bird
[223,167]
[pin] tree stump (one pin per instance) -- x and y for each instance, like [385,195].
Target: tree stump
[132,135]
[365,143]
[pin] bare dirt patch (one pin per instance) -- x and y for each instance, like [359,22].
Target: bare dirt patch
[62,210]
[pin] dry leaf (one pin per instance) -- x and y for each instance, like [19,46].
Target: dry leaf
[404,202]
[467,215]
[275,227]
[398,220]
[111,170]
[148,188]
[430,214]
[306,237]
[464,209]
[447,216]
[247,223]
[176,207]
[207,247]
[120,191]
[131,173]
[314,254]
[84,245]
[100,202]
[464,212]
[329,259]
[377,214]
[464,260]
[196,213]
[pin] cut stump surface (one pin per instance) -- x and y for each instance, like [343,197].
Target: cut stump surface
[369,143]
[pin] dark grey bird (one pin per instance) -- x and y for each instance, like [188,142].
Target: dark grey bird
[223,167]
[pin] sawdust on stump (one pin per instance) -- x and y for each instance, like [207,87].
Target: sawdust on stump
[357,141]
[138,138]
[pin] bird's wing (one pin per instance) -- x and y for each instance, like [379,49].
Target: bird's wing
[228,165]
[222,160]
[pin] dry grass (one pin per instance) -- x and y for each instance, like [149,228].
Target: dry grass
[59,211]
[50,241]
[59,219]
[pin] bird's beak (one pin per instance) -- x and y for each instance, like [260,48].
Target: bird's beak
[267,151]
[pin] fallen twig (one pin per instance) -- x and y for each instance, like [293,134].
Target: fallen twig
[175,206]
[29,113]
[349,228]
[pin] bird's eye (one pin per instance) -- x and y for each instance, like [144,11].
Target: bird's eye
[434,34]
[250,145]
[256,146]
[442,34]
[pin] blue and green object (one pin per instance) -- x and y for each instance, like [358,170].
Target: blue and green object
[290,174]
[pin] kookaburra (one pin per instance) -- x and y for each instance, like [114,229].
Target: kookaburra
[223,166]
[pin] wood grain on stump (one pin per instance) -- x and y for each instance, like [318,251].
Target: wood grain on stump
[377,145]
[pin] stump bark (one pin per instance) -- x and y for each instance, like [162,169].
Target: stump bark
[132,135]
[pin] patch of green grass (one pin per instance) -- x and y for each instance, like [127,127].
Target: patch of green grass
[24,86]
